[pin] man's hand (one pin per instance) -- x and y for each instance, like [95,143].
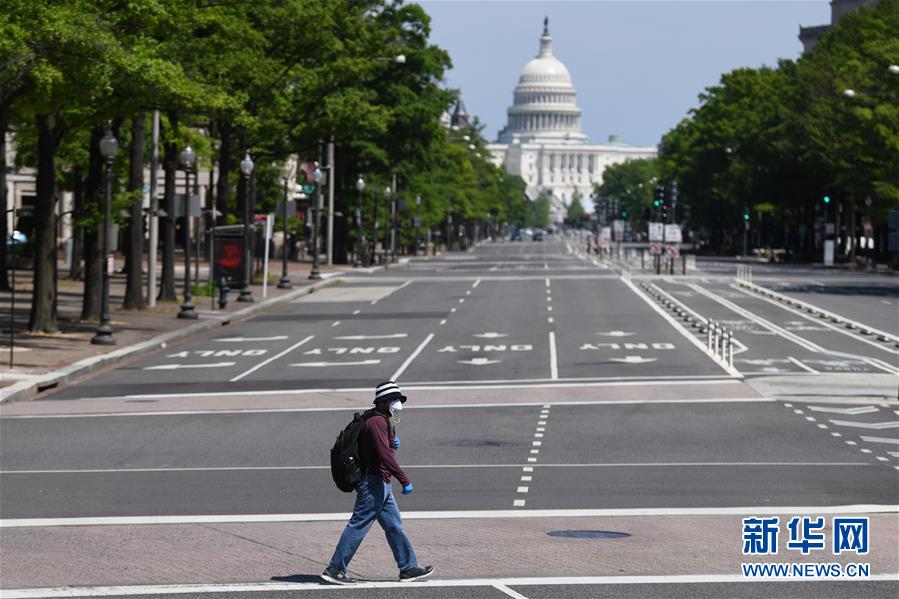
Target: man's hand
[408,488]
[396,442]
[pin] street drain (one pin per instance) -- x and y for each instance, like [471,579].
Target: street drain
[588,534]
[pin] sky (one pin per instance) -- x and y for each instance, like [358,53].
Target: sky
[638,66]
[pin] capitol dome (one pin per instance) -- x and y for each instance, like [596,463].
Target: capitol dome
[544,103]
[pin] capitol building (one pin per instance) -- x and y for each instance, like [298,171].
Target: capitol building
[542,141]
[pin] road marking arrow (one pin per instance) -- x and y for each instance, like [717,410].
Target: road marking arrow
[870,425]
[633,360]
[847,411]
[177,366]
[361,337]
[616,334]
[238,339]
[490,335]
[325,364]
[479,361]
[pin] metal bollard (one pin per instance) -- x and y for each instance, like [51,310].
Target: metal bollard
[708,330]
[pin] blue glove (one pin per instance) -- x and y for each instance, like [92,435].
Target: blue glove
[408,489]
[396,442]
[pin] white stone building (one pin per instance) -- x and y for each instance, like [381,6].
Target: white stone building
[543,142]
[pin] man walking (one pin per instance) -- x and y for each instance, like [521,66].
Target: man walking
[374,498]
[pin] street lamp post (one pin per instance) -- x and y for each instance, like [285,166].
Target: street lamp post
[109,145]
[388,194]
[284,282]
[246,170]
[188,161]
[360,236]
[417,224]
[317,177]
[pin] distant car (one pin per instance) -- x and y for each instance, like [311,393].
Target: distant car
[516,236]
[537,236]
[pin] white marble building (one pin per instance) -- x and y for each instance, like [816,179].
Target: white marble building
[543,142]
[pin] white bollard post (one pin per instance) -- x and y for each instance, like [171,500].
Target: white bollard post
[730,348]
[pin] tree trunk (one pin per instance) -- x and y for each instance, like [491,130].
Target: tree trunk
[4,230]
[75,270]
[93,262]
[134,296]
[43,313]
[167,224]
[221,193]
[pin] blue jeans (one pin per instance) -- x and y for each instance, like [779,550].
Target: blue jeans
[374,501]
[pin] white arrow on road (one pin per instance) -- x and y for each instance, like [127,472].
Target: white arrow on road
[616,334]
[846,411]
[324,364]
[633,360]
[239,339]
[361,337]
[479,361]
[490,335]
[870,425]
[177,366]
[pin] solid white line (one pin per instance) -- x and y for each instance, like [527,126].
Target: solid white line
[366,406]
[801,365]
[506,590]
[241,339]
[553,360]
[402,369]
[879,440]
[446,466]
[455,515]
[272,359]
[680,329]
[392,292]
[627,381]
[274,587]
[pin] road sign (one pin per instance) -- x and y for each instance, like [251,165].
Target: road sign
[655,249]
[673,251]
[673,234]
[656,231]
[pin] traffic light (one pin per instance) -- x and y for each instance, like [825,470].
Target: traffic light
[827,199]
[746,214]
[624,214]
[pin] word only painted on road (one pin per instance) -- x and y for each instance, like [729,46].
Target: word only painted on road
[352,350]
[218,353]
[485,348]
[627,346]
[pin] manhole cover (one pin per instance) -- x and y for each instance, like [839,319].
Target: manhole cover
[588,534]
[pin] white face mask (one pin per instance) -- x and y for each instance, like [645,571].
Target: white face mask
[395,408]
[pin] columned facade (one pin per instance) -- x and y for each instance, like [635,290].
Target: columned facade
[542,141]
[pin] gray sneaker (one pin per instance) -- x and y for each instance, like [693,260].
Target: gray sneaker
[416,573]
[337,576]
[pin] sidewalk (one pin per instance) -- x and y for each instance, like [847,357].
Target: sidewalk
[41,360]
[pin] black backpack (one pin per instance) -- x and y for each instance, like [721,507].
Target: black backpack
[345,467]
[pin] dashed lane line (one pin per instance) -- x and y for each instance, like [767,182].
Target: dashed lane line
[553,358]
[272,359]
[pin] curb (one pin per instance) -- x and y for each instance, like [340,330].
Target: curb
[27,389]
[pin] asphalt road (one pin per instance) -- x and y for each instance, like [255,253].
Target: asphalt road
[575,391]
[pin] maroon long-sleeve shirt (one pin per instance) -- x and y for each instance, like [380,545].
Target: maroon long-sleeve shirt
[376,450]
